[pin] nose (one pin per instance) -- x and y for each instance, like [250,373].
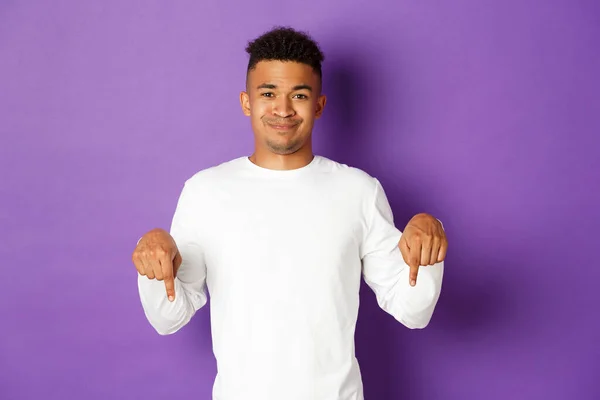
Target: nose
[282,107]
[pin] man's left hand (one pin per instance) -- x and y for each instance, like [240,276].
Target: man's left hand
[423,242]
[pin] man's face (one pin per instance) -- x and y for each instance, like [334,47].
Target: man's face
[283,99]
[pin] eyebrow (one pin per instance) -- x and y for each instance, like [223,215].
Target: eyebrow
[295,88]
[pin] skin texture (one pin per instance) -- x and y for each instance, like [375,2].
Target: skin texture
[156,256]
[283,100]
[423,243]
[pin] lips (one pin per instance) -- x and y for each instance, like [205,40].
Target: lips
[281,127]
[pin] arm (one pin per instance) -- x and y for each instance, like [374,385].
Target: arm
[165,316]
[387,274]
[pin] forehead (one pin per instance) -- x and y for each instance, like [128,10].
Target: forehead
[282,73]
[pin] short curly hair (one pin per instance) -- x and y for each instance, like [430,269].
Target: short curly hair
[285,44]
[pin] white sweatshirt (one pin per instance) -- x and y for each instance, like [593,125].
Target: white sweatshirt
[281,254]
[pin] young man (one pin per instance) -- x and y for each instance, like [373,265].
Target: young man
[281,239]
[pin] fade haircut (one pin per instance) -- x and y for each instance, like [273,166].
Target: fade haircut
[285,44]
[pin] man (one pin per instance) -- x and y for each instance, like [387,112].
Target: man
[281,239]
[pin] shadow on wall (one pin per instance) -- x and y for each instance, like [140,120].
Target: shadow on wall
[390,367]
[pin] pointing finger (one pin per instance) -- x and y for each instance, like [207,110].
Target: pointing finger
[168,277]
[415,253]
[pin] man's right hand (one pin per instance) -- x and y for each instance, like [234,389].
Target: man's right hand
[156,256]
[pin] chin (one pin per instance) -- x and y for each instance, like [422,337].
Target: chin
[284,149]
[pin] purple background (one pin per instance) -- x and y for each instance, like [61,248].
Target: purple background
[484,113]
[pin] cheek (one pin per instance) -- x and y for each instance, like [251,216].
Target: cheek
[259,108]
[306,111]
[257,112]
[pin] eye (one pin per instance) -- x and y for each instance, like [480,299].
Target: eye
[267,94]
[301,96]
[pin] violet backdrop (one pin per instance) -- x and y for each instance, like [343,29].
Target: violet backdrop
[483,113]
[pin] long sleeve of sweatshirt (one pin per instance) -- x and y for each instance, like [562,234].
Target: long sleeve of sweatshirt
[386,273]
[190,283]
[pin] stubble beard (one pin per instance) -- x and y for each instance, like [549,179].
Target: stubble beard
[284,149]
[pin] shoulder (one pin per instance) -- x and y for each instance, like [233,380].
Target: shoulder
[350,177]
[215,174]
[197,189]
[358,188]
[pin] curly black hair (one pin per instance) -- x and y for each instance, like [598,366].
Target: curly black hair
[285,44]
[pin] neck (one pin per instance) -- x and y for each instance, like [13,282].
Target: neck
[266,159]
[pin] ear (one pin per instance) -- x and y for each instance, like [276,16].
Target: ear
[320,105]
[245,103]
